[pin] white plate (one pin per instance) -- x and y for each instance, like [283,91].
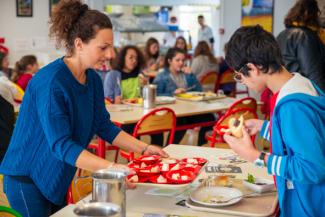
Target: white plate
[268,185]
[203,195]
[164,100]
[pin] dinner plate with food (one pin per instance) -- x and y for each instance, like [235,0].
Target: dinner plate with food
[216,196]
[198,96]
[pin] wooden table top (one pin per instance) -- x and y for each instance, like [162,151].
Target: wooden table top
[127,114]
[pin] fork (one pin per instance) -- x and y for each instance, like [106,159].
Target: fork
[253,194]
[190,88]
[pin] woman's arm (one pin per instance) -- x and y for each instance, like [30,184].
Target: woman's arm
[128,142]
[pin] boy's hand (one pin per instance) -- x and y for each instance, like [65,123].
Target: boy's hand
[243,146]
[253,126]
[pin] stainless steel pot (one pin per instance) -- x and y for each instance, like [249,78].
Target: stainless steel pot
[109,186]
[98,209]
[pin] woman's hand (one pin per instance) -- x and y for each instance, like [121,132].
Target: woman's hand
[253,126]
[179,90]
[151,150]
[129,184]
[243,146]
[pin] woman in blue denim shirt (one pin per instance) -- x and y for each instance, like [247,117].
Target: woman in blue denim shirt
[174,81]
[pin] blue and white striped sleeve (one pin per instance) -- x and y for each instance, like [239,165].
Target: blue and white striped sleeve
[265,131]
[303,139]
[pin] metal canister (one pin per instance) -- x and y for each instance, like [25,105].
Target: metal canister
[149,96]
[109,186]
[98,209]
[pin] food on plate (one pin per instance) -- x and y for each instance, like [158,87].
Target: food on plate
[155,169]
[176,176]
[165,167]
[236,125]
[134,178]
[134,100]
[192,161]
[143,165]
[197,95]
[176,167]
[184,178]
[161,179]
[250,178]
[214,199]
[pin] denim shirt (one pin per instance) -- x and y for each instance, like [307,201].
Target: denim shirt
[166,86]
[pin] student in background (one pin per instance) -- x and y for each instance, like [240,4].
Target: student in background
[4,65]
[297,127]
[181,44]
[125,81]
[152,56]
[300,44]
[169,38]
[63,109]
[174,81]
[203,60]
[24,70]
[205,33]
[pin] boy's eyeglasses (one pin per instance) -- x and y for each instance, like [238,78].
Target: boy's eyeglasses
[238,75]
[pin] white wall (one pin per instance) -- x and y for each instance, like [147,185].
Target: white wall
[32,33]
[26,35]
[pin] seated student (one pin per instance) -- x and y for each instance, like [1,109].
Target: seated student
[125,81]
[297,127]
[203,60]
[24,70]
[174,81]
[4,65]
[152,56]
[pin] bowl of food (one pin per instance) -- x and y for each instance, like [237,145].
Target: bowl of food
[194,160]
[148,160]
[149,171]
[258,185]
[180,177]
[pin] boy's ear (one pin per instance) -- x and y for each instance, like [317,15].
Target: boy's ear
[253,69]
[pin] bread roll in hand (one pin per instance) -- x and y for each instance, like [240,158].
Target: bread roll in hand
[236,125]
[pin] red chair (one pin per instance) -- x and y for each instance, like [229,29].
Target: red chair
[80,187]
[100,147]
[215,135]
[209,81]
[156,121]
[247,102]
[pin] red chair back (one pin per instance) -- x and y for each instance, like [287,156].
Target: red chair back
[209,81]
[223,122]
[247,102]
[156,121]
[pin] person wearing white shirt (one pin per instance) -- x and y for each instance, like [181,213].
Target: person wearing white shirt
[205,32]
[170,37]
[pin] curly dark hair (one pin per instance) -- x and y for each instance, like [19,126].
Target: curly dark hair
[252,44]
[119,62]
[149,42]
[171,53]
[72,19]
[305,12]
